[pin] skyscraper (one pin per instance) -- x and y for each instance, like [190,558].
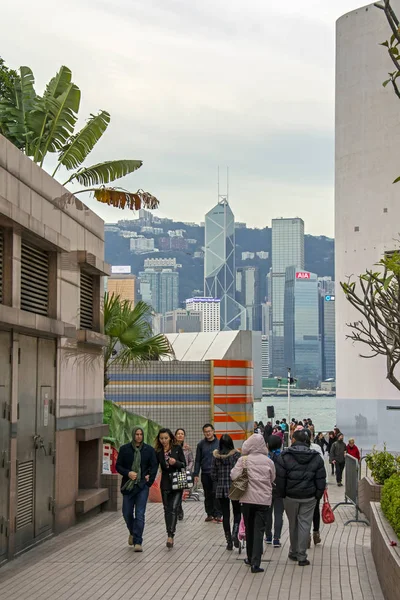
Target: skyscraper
[210,312]
[160,289]
[287,251]
[248,295]
[302,349]
[327,327]
[219,265]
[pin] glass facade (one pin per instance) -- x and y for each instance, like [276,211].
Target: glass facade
[219,265]
[160,289]
[287,251]
[248,295]
[302,347]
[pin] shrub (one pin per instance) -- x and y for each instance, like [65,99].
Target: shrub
[390,502]
[382,465]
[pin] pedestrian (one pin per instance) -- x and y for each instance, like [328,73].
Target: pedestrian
[137,463]
[321,441]
[204,453]
[338,457]
[261,427]
[180,435]
[284,426]
[256,428]
[268,430]
[278,431]
[331,441]
[171,458]
[223,461]
[317,514]
[293,425]
[311,428]
[257,499]
[352,449]
[300,481]
[275,514]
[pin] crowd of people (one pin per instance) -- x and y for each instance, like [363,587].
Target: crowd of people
[280,478]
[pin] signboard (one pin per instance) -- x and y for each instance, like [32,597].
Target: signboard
[303,275]
[121,270]
[203,300]
[329,298]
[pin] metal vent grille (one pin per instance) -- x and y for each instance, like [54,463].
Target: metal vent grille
[25,494]
[34,279]
[87,285]
[1,264]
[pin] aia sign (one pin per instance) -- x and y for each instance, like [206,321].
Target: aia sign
[303,275]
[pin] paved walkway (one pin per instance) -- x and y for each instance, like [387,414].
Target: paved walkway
[93,561]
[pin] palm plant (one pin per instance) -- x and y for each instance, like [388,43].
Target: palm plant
[130,337]
[44,125]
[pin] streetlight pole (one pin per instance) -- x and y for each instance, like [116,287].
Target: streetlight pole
[288,401]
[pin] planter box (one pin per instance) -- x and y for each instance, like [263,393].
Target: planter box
[368,491]
[386,557]
[113,483]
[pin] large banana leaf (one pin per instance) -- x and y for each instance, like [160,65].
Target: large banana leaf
[54,116]
[14,111]
[105,172]
[120,198]
[80,145]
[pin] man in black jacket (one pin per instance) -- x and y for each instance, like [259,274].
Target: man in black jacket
[204,454]
[300,481]
[136,483]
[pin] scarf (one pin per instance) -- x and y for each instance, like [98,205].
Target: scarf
[136,465]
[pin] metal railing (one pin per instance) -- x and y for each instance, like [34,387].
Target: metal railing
[353,476]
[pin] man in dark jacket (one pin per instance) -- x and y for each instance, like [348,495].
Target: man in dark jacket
[137,463]
[300,481]
[337,456]
[204,454]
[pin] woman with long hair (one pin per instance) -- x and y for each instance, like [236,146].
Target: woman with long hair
[180,435]
[223,461]
[171,458]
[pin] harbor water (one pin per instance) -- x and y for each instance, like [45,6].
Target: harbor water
[321,409]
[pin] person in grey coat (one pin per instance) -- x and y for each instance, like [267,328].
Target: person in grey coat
[337,457]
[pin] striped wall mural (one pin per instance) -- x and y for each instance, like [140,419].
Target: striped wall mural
[232,387]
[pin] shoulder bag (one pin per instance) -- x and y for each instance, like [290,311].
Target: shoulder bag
[181,480]
[240,484]
[327,513]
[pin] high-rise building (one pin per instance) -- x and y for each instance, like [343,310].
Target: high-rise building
[287,251]
[248,295]
[141,244]
[160,289]
[266,318]
[301,324]
[327,328]
[219,264]
[182,321]
[122,284]
[265,356]
[210,312]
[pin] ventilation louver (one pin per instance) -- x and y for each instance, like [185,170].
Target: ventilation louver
[25,494]
[34,279]
[86,301]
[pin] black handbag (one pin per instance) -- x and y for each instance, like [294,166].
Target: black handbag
[181,480]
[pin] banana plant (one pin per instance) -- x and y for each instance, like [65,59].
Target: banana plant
[44,125]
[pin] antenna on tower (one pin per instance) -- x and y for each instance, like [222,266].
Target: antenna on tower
[223,198]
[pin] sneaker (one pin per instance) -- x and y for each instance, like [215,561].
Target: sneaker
[257,570]
[340,484]
[268,539]
[316,538]
[276,543]
[304,563]
[292,557]
[138,548]
[217,519]
[247,562]
[130,540]
[208,519]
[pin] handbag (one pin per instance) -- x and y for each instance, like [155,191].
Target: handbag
[240,484]
[181,480]
[327,513]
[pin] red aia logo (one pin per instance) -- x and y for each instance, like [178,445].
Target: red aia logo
[303,275]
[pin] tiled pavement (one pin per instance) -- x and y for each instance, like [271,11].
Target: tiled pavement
[93,561]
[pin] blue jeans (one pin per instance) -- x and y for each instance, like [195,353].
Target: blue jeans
[133,511]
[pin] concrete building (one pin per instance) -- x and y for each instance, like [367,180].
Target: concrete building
[51,361]
[287,251]
[247,255]
[210,309]
[302,338]
[327,307]
[122,283]
[160,289]
[265,318]
[151,263]
[219,265]
[367,214]
[182,321]
[265,356]
[248,295]
[141,244]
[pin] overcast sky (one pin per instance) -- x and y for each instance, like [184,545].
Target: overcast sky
[192,85]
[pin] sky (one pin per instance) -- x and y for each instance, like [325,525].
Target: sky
[196,85]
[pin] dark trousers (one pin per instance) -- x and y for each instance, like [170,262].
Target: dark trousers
[211,503]
[275,511]
[133,511]
[339,471]
[255,521]
[226,513]
[316,517]
[333,468]
[171,500]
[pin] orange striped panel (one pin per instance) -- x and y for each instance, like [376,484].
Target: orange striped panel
[238,364]
[223,399]
[234,436]
[232,381]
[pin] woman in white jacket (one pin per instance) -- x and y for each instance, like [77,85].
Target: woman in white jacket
[256,500]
